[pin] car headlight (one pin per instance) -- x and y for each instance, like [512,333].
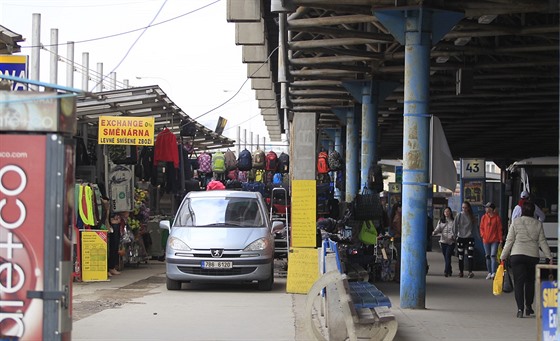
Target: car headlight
[177,244]
[257,245]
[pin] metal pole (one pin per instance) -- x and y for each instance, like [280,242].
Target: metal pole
[126,83]
[264,143]
[257,141]
[85,74]
[99,85]
[251,134]
[238,140]
[54,56]
[70,64]
[113,79]
[35,50]
[245,138]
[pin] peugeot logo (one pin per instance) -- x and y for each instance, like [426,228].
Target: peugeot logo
[217,253]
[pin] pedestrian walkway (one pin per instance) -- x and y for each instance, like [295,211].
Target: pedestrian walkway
[459,309]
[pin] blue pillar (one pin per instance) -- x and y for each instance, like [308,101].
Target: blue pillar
[338,147]
[352,184]
[369,94]
[416,23]
[369,131]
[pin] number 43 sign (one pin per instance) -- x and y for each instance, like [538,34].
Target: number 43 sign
[473,168]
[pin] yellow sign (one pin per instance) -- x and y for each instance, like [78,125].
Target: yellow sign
[304,207]
[138,131]
[94,256]
[395,187]
[303,270]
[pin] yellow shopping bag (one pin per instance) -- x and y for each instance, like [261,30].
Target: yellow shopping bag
[498,283]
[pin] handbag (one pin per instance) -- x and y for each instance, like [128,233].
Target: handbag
[368,233]
[498,283]
[507,286]
[367,205]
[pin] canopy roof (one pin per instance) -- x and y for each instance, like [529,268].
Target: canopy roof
[142,102]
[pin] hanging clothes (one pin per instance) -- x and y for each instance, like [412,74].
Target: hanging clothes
[166,148]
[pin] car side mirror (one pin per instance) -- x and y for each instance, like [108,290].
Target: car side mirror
[165,225]
[277,226]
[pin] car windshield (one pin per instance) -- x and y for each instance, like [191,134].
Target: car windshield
[216,212]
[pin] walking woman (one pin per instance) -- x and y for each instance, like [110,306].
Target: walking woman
[465,229]
[447,240]
[525,236]
[491,234]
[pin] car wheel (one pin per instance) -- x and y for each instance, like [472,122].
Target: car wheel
[266,285]
[173,284]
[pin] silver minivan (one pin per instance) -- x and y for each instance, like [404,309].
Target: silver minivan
[221,236]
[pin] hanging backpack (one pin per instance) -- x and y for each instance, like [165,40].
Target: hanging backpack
[277,179]
[231,160]
[218,163]
[232,174]
[252,175]
[245,160]
[205,163]
[283,163]
[259,176]
[271,161]
[335,161]
[322,163]
[242,176]
[188,128]
[259,159]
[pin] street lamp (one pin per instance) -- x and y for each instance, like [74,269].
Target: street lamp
[160,78]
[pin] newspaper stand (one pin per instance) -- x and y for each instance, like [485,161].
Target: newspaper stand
[37,207]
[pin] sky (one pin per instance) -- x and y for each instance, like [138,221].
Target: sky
[193,58]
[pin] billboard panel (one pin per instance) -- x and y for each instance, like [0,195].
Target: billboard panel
[22,234]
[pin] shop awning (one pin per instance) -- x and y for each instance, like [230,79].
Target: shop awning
[141,102]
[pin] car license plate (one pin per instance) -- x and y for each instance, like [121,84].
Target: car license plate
[217,265]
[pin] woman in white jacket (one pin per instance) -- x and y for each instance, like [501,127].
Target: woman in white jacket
[525,237]
[447,238]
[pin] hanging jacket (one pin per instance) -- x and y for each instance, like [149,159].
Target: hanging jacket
[491,228]
[166,148]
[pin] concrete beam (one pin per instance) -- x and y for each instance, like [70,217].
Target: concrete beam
[254,53]
[250,33]
[267,104]
[260,70]
[261,84]
[243,10]
[265,94]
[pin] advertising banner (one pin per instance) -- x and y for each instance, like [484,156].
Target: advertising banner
[38,112]
[15,66]
[94,256]
[549,305]
[121,188]
[304,207]
[22,234]
[138,131]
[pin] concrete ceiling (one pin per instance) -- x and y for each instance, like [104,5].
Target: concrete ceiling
[506,51]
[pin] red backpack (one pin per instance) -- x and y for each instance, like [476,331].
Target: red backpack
[323,163]
[271,163]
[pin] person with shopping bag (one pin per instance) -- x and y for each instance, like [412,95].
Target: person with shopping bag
[525,237]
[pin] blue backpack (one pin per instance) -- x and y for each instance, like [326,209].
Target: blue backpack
[277,179]
[245,160]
